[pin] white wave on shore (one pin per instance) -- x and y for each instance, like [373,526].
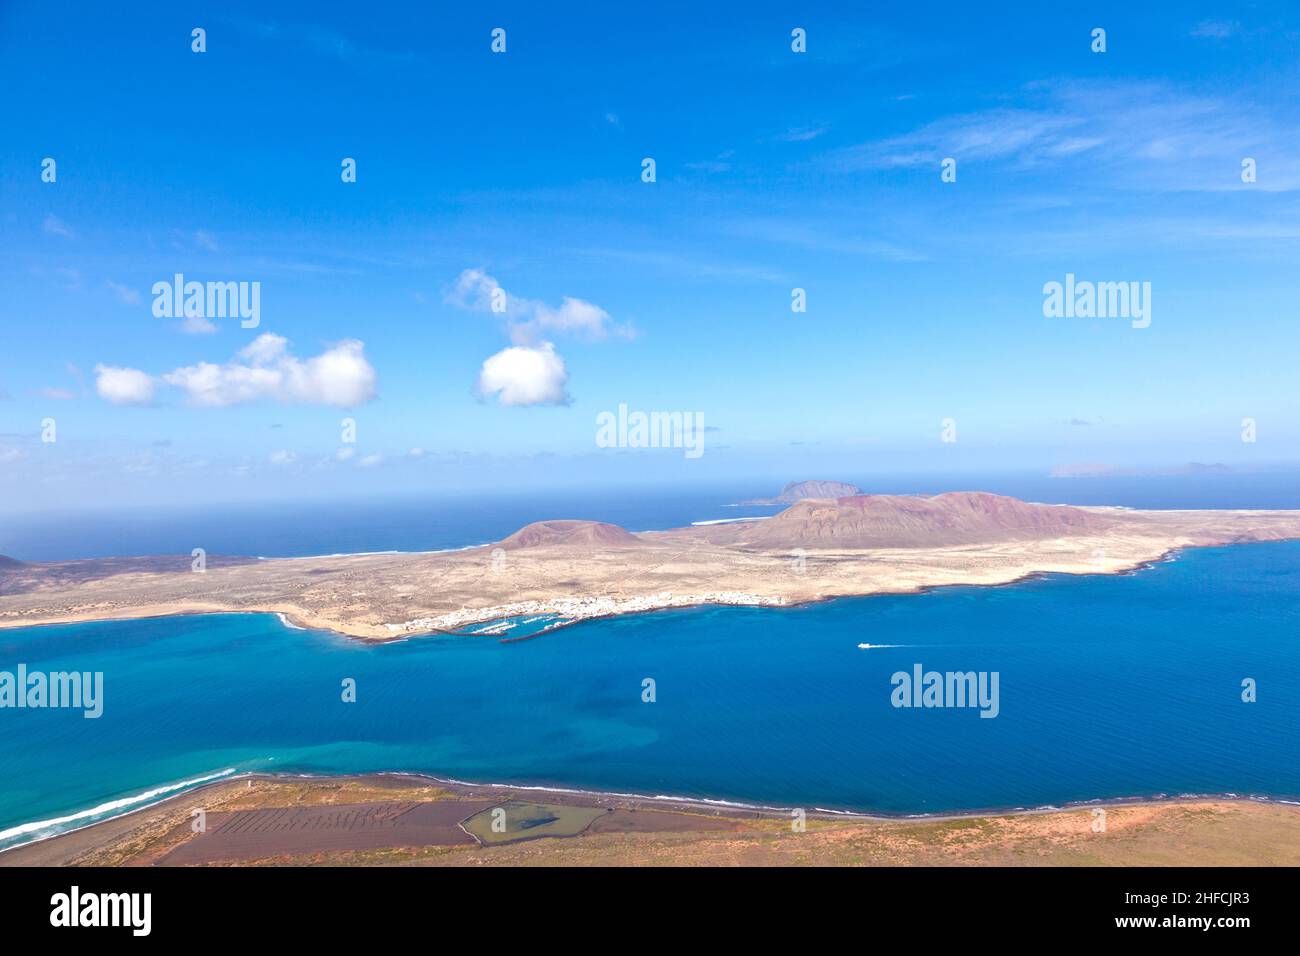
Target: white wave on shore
[363,554]
[112,808]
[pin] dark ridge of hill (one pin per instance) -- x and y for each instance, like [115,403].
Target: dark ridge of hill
[585,534]
[907,521]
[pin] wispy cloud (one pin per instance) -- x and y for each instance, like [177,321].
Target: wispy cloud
[125,295]
[994,134]
[54,226]
[1216,29]
[323,41]
[529,320]
[1136,135]
[329,43]
[709,166]
[197,325]
[800,134]
[679,264]
[818,237]
[69,276]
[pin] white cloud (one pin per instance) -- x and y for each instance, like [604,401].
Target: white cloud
[123,386]
[264,349]
[265,370]
[344,453]
[528,320]
[283,457]
[530,372]
[369,461]
[525,376]
[473,290]
[573,315]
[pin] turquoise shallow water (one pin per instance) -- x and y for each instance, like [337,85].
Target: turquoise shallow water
[1109,687]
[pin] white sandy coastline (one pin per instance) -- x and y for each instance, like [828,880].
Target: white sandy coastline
[574,609]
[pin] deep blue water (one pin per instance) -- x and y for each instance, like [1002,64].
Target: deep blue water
[1110,686]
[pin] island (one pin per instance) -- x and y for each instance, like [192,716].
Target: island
[799,490]
[571,570]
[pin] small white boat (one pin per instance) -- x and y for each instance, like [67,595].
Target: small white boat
[863,647]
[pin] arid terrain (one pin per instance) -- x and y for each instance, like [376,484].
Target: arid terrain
[396,821]
[573,569]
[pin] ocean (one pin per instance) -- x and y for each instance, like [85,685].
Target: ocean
[445,520]
[1109,687]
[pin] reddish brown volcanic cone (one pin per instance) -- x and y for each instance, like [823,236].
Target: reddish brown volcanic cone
[589,534]
[906,521]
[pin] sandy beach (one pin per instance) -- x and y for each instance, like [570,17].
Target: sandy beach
[417,820]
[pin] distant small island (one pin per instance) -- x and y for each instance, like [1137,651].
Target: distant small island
[576,570]
[799,490]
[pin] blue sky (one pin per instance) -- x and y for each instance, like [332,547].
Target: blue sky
[775,170]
